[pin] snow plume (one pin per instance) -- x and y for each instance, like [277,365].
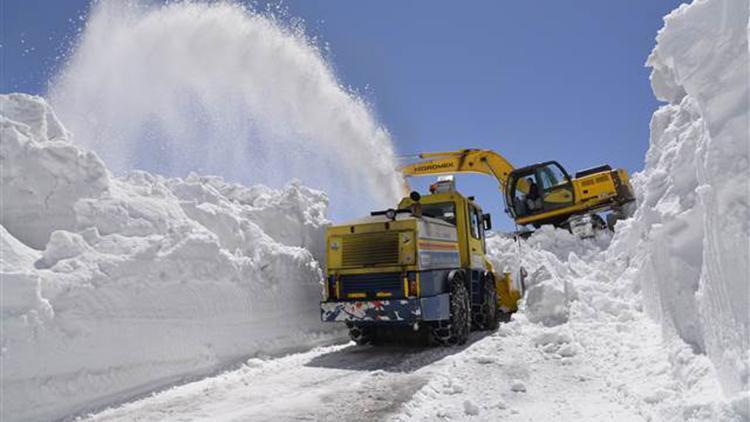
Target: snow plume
[221,89]
[115,286]
[687,246]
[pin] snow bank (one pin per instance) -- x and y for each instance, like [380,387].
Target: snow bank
[554,262]
[683,257]
[687,245]
[114,286]
[584,309]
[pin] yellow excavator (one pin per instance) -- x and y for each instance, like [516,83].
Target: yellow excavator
[542,193]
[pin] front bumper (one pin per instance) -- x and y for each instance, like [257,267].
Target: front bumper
[433,308]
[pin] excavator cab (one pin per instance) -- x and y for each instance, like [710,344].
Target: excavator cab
[539,188]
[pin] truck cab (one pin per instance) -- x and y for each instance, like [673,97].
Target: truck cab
[419,267]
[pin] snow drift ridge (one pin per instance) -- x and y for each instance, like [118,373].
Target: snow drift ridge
[113,286]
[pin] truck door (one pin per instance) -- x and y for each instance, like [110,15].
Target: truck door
[475,237]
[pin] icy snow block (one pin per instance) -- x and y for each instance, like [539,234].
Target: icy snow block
[43,175]
[470,408]
[546,304]
[518,386]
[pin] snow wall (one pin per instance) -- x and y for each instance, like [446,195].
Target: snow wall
[687,244]
[114,286]
[683,257]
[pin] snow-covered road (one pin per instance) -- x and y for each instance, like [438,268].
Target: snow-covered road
[340,382]
[519,373]
[352,383]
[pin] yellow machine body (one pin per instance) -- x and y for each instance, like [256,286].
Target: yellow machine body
[600,189]
[412,246]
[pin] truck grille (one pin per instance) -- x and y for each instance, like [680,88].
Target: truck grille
[370,249]
[372,284]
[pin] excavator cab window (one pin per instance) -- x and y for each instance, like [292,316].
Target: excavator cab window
[556,190]
[539,188]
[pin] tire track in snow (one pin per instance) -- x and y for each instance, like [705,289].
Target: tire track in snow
[342,382]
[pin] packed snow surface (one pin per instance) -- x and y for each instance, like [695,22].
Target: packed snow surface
[112,286]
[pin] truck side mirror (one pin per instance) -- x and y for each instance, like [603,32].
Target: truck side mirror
[415,196]
[486,222]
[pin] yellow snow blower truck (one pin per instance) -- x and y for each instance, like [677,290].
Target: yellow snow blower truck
[419,268]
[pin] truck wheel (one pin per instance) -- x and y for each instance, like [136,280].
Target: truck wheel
[362,335]
[456,329]
[504,316]
[489,305]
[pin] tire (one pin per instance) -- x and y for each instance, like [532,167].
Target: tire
[362,335]
[488,320]
[455,331]
[504,316]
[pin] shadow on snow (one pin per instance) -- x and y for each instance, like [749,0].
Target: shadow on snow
[389,357]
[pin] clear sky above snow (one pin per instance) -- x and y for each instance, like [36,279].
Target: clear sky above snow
[533,80]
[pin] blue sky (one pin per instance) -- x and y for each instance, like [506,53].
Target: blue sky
[534,80]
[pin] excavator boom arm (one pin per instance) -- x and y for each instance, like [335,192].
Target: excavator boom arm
[464,161]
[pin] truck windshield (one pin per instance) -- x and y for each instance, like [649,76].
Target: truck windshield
[445,211]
